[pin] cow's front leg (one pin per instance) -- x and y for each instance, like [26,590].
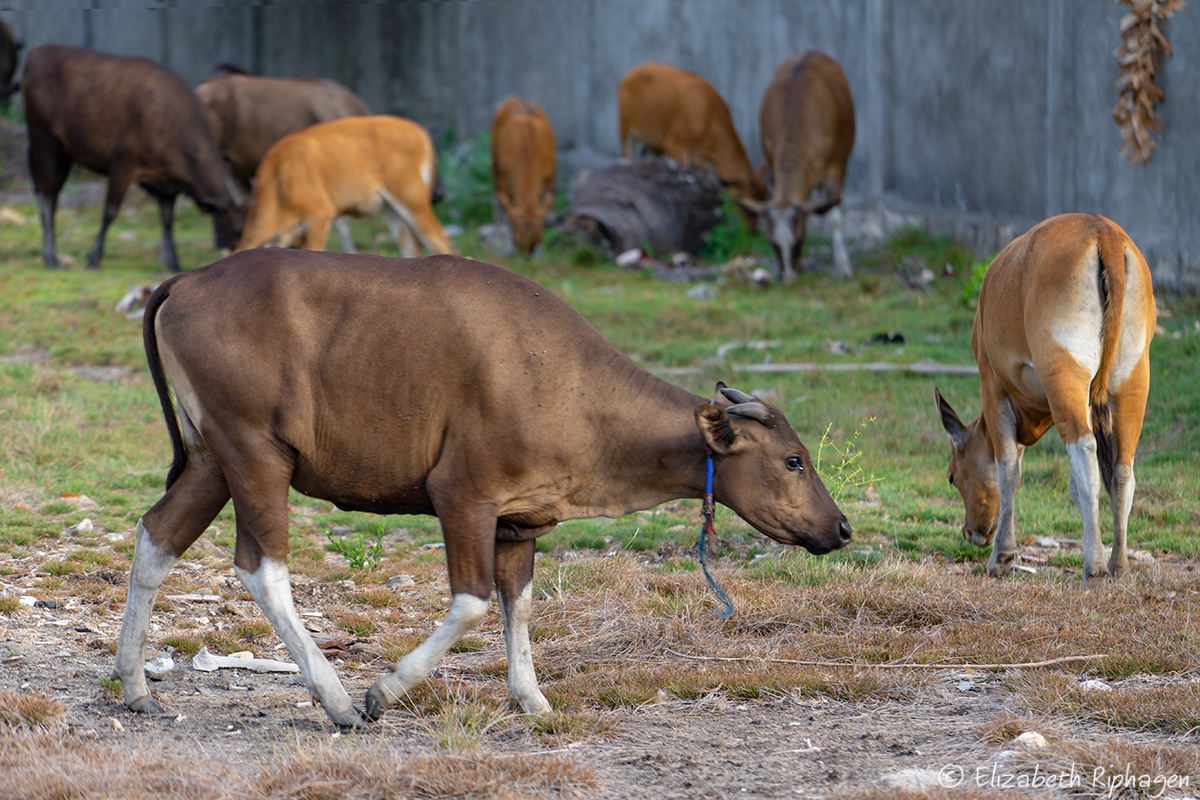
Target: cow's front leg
[1085,494]
[470,553]
[514,584]
[1008,476]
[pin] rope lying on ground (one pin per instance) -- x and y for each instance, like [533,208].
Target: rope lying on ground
[859,665]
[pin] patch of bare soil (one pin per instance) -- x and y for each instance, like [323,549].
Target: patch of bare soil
[788,744]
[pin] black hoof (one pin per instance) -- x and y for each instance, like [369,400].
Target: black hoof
[349,719]
[375,708]
[146,705]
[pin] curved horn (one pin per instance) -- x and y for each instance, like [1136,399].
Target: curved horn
[752,410]
[734,396]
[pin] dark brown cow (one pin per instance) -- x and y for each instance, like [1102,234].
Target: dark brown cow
[807,125]
[248,113]
[132,120]
[438,385]
[10,49]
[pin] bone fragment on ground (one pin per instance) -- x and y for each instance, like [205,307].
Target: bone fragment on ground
[205,661]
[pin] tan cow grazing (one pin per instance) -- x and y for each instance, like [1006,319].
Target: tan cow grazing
[441,386]
[1062,337]
[678,113]
[807,123]
[522,171]
[355,165]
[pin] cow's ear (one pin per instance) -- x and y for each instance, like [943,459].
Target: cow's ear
[714,425]
[957,432]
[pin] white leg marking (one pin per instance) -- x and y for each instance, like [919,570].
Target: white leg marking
[1122,503]
[522,680]
[466,611]
[407,216]
[841,257]
[149,569]
[1008,475]
[273,592]
[1085,493]
[342,224]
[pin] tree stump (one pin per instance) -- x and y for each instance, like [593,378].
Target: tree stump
[653,204]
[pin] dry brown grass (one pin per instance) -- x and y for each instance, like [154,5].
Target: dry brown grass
[29,710]
[1113,768]
[1170,706]
[41,766]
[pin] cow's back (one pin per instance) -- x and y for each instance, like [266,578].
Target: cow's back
[374,370]
[98,105]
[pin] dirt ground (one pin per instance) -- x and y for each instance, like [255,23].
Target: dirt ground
[710,747]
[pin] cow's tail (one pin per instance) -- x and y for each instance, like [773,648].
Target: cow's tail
[1110,252]
[159,376]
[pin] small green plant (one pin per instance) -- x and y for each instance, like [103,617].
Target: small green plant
[9,606]
[846,473]
[364,554]
[465,170]
[733,235]
[111,686]
[970,292]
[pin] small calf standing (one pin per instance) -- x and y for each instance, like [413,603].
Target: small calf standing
[807,122]
[1062,337]
[672,111]
[354,165]
[132,120]
[522,170]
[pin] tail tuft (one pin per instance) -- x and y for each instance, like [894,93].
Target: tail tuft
[1105,453]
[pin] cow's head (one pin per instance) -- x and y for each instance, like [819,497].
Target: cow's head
[973,473]
[785,227]
[528,220]
[229,216]
[764,473]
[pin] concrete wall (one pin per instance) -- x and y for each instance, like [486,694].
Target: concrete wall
[980,116]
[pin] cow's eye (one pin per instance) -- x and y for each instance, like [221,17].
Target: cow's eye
[794,463]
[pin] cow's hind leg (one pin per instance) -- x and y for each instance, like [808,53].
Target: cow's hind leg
[260,490]
[163,534]
[1085,494]
[470,535]
[514,584]
[1128,412]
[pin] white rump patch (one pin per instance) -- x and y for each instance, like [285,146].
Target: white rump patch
[1132,342]
[1079,320]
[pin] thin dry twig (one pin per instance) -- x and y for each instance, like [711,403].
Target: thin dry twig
[1141,48]
[893,665]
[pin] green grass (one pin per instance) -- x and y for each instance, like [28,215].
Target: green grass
[63,433]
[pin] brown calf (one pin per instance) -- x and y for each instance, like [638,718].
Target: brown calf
[807,122]
[1062,337]
[438,386]
[679,113]
[355,165]
[522,170]
[132,120]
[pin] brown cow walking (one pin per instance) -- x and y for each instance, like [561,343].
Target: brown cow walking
[442,386]
[1062,338]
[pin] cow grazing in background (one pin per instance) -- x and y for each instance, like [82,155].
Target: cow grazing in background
[438,386]
[1062,337]
[680,114]
[522,170]
[10,51]
[807,125]
[132,120]
[354,165]
[249,114]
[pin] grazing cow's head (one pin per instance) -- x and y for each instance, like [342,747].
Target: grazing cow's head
[229,216]
[973,473]
[528,220]
[785,227]
[764,473]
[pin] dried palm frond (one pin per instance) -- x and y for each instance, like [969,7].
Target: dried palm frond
[1142,44]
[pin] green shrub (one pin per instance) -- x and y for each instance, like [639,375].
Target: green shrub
[465,170]
[733,235]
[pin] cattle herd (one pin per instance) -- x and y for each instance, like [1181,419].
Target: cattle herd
[446,386]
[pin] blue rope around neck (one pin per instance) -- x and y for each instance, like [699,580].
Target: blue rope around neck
[726,610]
